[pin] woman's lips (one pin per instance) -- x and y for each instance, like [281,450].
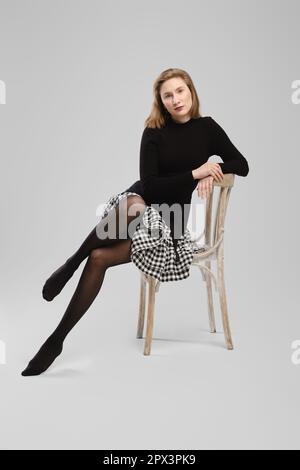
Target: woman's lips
[179,109]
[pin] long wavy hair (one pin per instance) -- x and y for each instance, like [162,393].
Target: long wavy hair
[159,115]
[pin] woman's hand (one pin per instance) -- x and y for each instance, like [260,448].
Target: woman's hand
[205,187]
[208,169]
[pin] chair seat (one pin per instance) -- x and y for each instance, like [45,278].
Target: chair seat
[199,253]
[200,248]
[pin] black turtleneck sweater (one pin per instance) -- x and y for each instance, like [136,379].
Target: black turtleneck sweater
[168,156]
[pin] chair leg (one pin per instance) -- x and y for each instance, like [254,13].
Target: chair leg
[150,316]
[222,296]
[140,327]
[211,315]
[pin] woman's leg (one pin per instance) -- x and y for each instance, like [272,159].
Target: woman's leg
[88,287]
[130,208]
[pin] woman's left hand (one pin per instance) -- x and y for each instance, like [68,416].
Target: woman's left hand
[205,186]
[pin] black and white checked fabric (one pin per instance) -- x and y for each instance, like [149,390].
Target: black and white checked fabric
[152,247]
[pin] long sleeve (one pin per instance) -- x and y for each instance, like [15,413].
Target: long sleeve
[159,187]
[221,145]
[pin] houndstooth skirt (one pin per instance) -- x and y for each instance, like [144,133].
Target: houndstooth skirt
[156,255]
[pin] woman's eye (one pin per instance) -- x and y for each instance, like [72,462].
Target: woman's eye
[167,96]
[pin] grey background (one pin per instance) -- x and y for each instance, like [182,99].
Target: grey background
[79,78]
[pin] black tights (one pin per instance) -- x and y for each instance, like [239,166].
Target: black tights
[102,254]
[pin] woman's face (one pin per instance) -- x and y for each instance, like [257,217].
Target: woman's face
[175,93]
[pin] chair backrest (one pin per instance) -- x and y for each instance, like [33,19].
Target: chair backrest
[214,226]
[214,222]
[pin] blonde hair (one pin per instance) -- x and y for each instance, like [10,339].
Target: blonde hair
[159,115]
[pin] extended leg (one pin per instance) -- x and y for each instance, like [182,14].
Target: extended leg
[88,287]
[130,208]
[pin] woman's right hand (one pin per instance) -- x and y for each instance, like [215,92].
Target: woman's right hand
[208,169]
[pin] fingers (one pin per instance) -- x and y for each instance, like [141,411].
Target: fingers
[203,191]
[217,175]
[217,172]
[205,187]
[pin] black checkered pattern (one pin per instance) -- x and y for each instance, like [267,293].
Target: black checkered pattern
[152,247]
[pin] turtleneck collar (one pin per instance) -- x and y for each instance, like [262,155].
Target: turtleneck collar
[170,121]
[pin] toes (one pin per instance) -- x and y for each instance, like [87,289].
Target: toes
[40,363]
[47,293]
[31,371]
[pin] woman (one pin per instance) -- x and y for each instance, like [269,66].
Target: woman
[175,146]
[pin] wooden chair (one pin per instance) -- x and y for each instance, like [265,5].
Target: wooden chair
[211,250]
